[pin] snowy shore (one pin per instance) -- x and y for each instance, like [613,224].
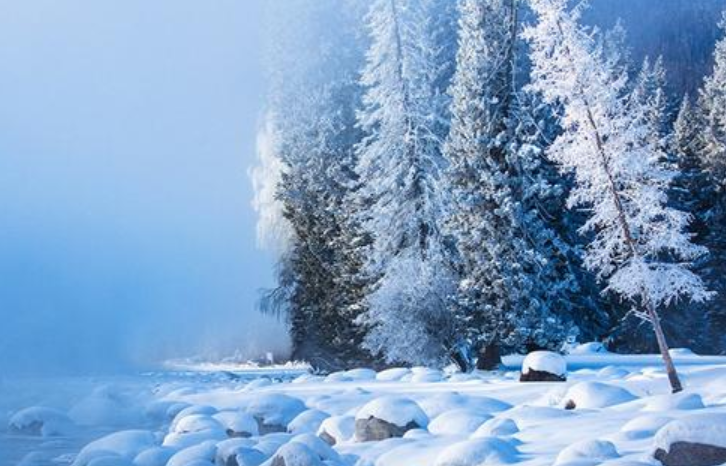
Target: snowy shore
[621,403]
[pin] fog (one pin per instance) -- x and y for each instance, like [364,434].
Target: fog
[126,230]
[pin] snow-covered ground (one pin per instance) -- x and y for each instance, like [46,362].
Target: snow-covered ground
[232,418]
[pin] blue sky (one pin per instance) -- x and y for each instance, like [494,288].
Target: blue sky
[126,130]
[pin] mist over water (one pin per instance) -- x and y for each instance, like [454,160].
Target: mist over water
[126,231]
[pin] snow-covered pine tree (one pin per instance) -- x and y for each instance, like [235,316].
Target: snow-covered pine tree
[711,148]
[399,162]
[312,108]
[512,265]
[650,93]
[639,244]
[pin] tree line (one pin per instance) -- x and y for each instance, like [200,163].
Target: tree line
[450,180]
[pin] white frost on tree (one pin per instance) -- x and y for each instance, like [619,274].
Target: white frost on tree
[273,229]
[639,245]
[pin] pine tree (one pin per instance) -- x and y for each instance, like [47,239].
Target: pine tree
[639,244]
[399,162]
[513,267]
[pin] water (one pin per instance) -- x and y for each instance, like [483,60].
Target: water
[106,403]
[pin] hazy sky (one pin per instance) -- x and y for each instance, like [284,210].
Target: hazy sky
[126,130]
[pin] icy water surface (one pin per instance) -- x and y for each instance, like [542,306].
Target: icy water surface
[102,404]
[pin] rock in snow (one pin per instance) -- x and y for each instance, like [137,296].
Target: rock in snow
[478,452]
[387,417]
[593,395]
[38,420]
[696,440]
[307,422]
[337,429]
[237,423]
[274,411]
[458,422]
[587,452]
[125,444]
[544,366]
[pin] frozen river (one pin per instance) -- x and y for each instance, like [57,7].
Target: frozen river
[100,405]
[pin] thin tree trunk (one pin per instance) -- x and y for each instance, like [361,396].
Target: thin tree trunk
[673,378]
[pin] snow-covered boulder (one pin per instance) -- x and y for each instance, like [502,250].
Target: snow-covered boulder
[458,422]
[643,426]
[324,451]
[478,452]
[295,454]
[425,375]
[190,411]
[587,452]
[337,429]
[671,401]
[388,417]
[612,372]
[393,375]
[307,422]
[274,411]
[696,440]
[204,453]
[155,456]
[237,423]
[594,395]
[593,347]
[126,444]
[196,423]
[496,428]
[38,420]
[543,366]
[110,461]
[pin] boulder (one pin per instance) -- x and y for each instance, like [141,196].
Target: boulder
[388,417]
[373,429]
[543,366]
[295,454]
[691,454]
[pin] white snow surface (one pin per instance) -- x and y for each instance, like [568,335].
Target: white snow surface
[474,419]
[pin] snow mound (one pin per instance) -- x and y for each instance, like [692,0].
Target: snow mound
[110,461]
[318,446]
[612,372]
[680,401]
[204,453]
[156,456]
[237,423]
[643,426]
[307,422]
[361,374]
[545,361]
[676,352]
[38,420]
[438,404]
[245,456]
[594,395]
[340,428]
[425,375]
[458,422]
[592,452]
[478,452]
[393,375]
[593,347]
[496,428]
[189,411]
[196,423]
[396,410]
[295,454]
[126,444]
[257,384]
[707,428]
[275,408]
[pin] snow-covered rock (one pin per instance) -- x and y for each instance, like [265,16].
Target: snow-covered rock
[39,420]
[196,423]
[593,395]
[324,451]
[497,427]
[393,375]
[190,411]
[274,411]
[387,417]
[203,452]
[126,444]
[237,423]
[643,426]
[425,375]
[594,347]
[543,366]
[695,440]
[155,456]
[337,429]
[612,372]
[307,422]
[110,461]
[680,401]
[587,452]
[478,452]
[458,422]
[295,454]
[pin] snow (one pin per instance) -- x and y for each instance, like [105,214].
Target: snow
[592,452]
[488,415]
[126,444]
[478,452]
[397,410]
[458,422]
[38,420]
[592,395]
[237,422]
[545,361]
[706,428]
